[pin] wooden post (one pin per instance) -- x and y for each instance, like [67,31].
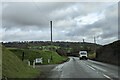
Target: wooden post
[23,56]
[28,63]
[34,64]
[48,61]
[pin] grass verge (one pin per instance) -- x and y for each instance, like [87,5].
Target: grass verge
[13,67]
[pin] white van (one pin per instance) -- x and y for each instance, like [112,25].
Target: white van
[83,55]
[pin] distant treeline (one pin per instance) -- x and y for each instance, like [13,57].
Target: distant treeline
[63,48]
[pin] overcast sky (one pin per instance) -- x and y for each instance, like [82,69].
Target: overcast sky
[23,21]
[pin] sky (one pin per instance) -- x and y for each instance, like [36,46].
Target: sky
[72,21]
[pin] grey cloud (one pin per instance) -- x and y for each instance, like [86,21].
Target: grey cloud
[105,28]
[35,17]
[27,14]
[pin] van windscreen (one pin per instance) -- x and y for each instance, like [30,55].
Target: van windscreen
[83,53]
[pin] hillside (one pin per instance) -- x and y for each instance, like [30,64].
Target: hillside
[13,67]
[109,53]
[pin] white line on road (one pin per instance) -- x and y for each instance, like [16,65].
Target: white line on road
[98,68]
[83,63]
[91,67]
[59,67]
[107,77]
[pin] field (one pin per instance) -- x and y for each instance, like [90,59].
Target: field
[43,47]
[31,55]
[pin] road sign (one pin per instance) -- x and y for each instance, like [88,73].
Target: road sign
[38,60]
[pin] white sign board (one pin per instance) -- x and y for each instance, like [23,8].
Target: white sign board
[38,60]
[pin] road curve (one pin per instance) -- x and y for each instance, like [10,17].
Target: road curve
[76,68]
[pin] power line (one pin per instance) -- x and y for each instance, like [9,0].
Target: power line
[37,7]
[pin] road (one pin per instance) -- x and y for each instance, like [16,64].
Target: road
[76,68]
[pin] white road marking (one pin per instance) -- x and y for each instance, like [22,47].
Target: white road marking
[58,68]
[91,67]
[107,76]
[99,68]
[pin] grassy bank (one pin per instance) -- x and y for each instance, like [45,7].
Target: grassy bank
[109,53]
[31,55]
[13,67]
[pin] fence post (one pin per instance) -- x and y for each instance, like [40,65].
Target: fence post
[48,60]
[29,63]
[34,64]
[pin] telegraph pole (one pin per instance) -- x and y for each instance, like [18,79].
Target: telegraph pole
[51,40]
[83,40]
[94,40]
[83,44]
[95,44]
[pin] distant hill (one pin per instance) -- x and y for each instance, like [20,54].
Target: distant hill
[109,53]
[62,48]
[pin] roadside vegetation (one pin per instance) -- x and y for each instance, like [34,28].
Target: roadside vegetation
[92,55]
[32,54]
[13,67]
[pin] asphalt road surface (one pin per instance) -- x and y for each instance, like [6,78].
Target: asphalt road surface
[76,68]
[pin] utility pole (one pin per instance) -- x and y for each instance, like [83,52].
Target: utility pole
[95,44]
[51,41]
[83,44]
[94,40]
[83,40]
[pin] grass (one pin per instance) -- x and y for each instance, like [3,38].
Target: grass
[13,67]
[44,47]
[31,55]
[92,55]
